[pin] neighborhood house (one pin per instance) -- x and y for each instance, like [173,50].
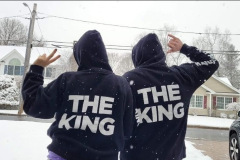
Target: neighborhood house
[212,97]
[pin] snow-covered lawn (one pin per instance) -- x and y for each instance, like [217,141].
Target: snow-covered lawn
[11,112]
[209,121]
[22,140]
[192,120]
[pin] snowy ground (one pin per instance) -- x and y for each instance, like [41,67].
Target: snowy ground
[10,112]
[21,140]
[209,121]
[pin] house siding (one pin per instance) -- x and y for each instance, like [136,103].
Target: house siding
[217,86]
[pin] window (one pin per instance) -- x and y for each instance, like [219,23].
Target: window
[14,67]
[50,72]
[223,101]
[196,101]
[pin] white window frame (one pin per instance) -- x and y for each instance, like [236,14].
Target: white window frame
[14,70]
[195,102]
[53,72]
[224,102]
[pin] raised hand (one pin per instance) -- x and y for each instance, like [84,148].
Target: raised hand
[45,60]
[175,44]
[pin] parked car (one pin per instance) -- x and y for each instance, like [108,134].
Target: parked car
[234,137]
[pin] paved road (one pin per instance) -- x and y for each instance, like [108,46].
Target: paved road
[207,134]
[213,143]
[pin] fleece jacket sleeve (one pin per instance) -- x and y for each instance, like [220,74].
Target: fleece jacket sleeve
[202,68]
[40,102]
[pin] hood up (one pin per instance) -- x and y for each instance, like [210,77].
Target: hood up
[90,52]
[148,51]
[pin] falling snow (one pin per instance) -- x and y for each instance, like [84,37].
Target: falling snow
[131,82]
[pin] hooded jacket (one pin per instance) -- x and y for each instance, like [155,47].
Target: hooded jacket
[161,99]
[92,107]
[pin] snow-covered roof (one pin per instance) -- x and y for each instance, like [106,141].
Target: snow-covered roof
[225,79]
[226,84]
[35,52]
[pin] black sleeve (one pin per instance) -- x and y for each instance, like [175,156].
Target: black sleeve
[202,68]
[128,119]
[41,102]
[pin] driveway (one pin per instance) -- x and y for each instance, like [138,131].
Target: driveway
[213,143]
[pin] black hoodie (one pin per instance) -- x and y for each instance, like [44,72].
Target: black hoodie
[92,107]
[161,99]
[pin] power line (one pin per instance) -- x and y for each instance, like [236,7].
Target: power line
[110,46]
[131,49]
[38,51]
[41,32]
[123,26]
[133,27]
[221,51]
[105,45]
[119,49]
[19,16]
[54,41]
[227,54]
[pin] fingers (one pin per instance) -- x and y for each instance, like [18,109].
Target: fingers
[43,55]
[171,45]
[172,36]
[52,54]
[54,59]
[173,42]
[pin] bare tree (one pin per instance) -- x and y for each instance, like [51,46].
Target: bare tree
[229,66]
[113,59]
[123,64]
[163,35]
[38,42]
[12,29]
[66,63]
[73,66]
[215,41]
[13,32]
[209,41]
[173,58]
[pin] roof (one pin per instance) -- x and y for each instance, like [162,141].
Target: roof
[35,52]
[208,89]
[226,84]
[225,80]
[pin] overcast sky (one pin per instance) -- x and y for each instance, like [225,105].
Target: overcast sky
[193,16]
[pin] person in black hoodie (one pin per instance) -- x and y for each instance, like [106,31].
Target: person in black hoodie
[161,98]
[92,107]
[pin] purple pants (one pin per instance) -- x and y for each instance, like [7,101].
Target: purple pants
[54,156]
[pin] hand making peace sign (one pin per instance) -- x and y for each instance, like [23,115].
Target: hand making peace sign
[45,60]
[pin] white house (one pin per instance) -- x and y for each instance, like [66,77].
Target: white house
[12,60]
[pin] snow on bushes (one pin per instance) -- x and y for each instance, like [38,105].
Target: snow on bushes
[9,93]
[233,106]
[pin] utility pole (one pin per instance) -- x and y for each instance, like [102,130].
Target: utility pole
[28,50]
